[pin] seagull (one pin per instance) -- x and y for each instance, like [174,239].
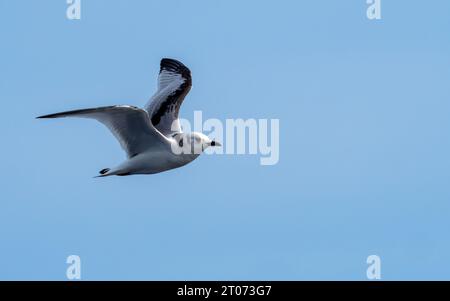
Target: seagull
[151,136]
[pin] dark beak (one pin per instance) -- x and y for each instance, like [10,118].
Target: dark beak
[214,143]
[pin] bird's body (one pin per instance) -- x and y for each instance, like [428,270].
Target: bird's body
[152,161]
[151,137]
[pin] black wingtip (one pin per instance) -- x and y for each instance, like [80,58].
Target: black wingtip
[168,61]
[175,66]
[47,116]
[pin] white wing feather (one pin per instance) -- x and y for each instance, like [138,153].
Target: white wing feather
[130,125]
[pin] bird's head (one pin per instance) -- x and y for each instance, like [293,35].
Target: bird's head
[200,142]
[194,143]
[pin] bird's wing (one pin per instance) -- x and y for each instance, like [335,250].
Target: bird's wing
[174,83]
[130,125]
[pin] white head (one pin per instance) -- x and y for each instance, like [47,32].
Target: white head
[192,143]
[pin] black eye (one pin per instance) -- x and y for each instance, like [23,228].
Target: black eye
[213,143]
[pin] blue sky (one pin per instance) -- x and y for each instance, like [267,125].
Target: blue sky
[364,141]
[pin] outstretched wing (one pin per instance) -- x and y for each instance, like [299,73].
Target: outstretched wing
[174,83]
[130,125]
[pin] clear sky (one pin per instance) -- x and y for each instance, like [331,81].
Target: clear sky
[364,164]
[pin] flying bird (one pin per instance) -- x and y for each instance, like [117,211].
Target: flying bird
[152,136]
